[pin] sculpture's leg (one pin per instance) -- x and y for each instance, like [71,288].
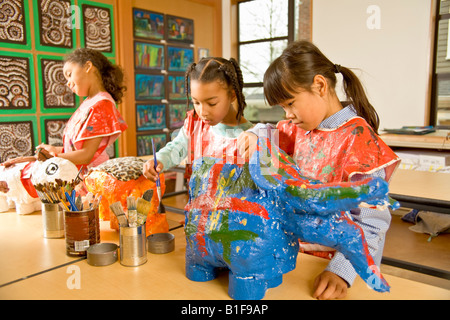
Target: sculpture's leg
[246,288]
[4,205]
[198,272]
[25,208]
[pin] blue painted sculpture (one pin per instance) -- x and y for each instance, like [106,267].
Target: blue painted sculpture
[248,218]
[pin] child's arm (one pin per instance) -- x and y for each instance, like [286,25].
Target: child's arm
[248,140]
[170,156]
[83,155]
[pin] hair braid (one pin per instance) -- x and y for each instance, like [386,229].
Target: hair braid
[186,82]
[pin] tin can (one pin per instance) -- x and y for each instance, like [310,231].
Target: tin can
[133,246]
[82,229]
[52,221]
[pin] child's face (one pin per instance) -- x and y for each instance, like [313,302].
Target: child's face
[306,109]
[212,102]
[77,78]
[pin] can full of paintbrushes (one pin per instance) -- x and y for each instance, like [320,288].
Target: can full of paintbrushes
[52,220]
[133,246]
[82,229]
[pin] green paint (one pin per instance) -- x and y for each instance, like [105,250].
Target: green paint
[328,193]
[327,169]
[225,236]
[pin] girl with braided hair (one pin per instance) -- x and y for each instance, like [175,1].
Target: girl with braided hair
[215,86]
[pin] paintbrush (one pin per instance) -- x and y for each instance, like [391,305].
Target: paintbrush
[143,208]
[117,209]
[132,213]
[158,181]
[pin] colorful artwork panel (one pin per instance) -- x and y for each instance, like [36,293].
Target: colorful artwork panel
[177,88]
[17,138]
[98,33]
[179,58]
[180,29]
[149,56]
[149,86]
[53,127]
[13,24]
[144,143]
[148,25]
[54,25]
[177,114]
[55,92]
[17,90]
[150,117]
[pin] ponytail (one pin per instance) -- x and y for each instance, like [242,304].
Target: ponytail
[296,68]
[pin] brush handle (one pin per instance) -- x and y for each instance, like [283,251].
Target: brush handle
[158,183]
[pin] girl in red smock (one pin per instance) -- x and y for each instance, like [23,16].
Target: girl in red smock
[330,141]
[97,123]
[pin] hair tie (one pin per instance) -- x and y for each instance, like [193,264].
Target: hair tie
[337,68]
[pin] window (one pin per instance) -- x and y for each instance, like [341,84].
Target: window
[440,105]
[265,27]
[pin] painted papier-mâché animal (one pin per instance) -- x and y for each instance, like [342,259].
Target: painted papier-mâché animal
[248,218]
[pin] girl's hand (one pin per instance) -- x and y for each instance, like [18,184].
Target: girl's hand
[329,285]
[246,144]
[149,169]
[50,149]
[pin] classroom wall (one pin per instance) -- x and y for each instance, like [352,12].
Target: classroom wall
[390,43]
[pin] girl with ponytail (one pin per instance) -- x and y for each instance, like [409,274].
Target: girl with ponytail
[331,141]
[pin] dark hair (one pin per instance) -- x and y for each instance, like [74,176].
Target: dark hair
[296,68]
[112,75]
[218,69]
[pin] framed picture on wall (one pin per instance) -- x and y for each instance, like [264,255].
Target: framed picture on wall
[177,114]
[18,91]
[149,87]
[53,29]
[15,25]
[148,25]
[176,88]
[55,94]
[180,29]
[52,129]
[98,30]
[144,143]
[150,117]
[179,58]
[18,138]
[149,56]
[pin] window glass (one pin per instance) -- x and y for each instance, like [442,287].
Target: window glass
[263,19]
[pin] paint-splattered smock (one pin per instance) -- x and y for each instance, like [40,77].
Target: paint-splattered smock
[96,117]
[197,139]
[343,148]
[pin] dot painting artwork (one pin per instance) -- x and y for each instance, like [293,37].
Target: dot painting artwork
[16,140]
[56,93]
[12,22]
[15,90]
[55,31]
[97,28]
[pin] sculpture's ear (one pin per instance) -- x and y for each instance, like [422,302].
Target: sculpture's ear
[148,195]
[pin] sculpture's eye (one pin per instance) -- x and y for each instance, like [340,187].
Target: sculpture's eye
[51,169]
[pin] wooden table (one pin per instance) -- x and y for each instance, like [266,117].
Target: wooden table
[33,267]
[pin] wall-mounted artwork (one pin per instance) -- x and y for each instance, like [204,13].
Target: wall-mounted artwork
[149,86]
[176,88]
[179,58]
[177,114]
[17,89]
[148,56]
[150,117]
[53,27]
[17,138]
[97,33]
[52,129]
[55,94]
[148,24]
[14,23]
[180,29]
[144,143]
